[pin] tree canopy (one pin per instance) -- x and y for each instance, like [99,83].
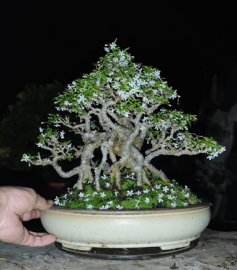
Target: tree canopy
[104,118]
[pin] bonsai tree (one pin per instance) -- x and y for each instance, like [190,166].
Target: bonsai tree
[109,127]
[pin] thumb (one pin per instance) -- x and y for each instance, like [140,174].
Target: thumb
[42,204]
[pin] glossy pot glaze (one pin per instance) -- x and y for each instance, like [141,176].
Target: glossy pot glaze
[164,228]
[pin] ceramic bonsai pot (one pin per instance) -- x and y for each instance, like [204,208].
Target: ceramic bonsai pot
[165,228]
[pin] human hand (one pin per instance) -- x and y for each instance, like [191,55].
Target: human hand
[18,204]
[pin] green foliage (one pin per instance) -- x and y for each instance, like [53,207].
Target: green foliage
[116,76]
[161,194]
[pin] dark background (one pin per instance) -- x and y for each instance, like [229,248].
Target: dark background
[193,43]
[47,41]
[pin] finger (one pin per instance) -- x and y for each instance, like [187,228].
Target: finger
[38,233]
[33,214]
[41,203]
[34,239]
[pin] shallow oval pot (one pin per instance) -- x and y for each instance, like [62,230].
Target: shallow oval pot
[164,228]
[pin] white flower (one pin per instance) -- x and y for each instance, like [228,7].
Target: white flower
[172,191]
[124,95]
[107,184]
[116,193]
[160,200]
[62,133]
[39,144]
[66,103]
[62,108]
[138,192]
[165,189]
[145,191]
[185,204]
[161,195]
[180,136]
[122,55]
[106,48]
[173,205]
[65,196]
[94,193]
[187,195]
[112,45]
[72,85]
[81,194]
[145,100]
[25,158]
[57,202]
[104,207]
[216,153]
[137,204]
[41,130]
[97,83]
[69,146]
[90,206]
[126,114]
[157,186]
[109,80]
[156,74]
[129,192]
[147,200]
[119,206]
[210,157]
[123,63]
[81,99]
[174,95]
[164,124]
[132,83]
[152,82]
[102,194]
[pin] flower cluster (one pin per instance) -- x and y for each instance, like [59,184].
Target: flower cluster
[161,194]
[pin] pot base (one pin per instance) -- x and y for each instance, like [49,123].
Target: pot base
[125,253]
